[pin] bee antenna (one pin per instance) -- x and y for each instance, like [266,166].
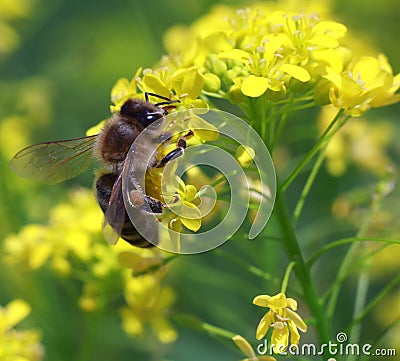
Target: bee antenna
[167,102]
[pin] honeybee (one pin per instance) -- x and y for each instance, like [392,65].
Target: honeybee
[54,162]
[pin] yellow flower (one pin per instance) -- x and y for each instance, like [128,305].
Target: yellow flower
[246,348]
[369,83]
[148,303]
[184,85]
[282,318]
[142,260]
[245,155]
[15,344]
[12,11]
[182,210]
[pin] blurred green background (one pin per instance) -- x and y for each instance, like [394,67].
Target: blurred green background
[58,78]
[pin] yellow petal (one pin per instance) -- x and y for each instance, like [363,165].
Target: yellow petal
[216,42]
[330,27]
[298,321]
[296,72]
[188,81]
[16,311]
[121,89]
[191,216]
[96,129]
[254,86]
[368,69]
[245,155]
[294,334]
[280,338]
[202,129]
[262,300]
[275,302]
[174,230]
[190,191]
[264,325]
[154,84]
[137,262]
[334,77]
[244,346]
[235,54]
[324,41]
[291,303]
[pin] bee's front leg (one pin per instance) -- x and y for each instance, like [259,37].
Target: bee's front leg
[177,152]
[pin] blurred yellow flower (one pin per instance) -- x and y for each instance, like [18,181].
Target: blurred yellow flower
[360,142]
[245,155]
[12,11]
[73,227]
[148,303]
[142,260]
[282,318]
[15,344]
[246,348]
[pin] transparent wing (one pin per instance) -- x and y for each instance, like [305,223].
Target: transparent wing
[54,162]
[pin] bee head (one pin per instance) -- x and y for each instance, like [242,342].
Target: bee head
[144,112]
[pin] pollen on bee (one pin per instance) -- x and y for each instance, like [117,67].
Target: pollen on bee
[136,198]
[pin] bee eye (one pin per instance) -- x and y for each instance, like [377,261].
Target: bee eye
[152,117]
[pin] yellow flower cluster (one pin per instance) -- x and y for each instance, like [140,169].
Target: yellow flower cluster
[16,344]
[70,234]
[262,51]
[73,246]
[147,304]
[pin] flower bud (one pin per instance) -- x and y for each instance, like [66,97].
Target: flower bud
[211,83]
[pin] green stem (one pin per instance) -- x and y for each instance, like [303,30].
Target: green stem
[343,241]
[286,276]
[394,282]
[361,297]
[301,270]
[246,265]
[309,184]
[197,324]
[281,125]
[326,135]
[347,261]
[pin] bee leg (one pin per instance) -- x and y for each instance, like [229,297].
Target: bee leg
[177,152]
[145,202]
[154,205]
[173,154]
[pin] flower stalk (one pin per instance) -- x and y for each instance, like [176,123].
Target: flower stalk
[293,251]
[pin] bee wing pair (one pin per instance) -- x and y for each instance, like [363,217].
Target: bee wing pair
[55,162]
